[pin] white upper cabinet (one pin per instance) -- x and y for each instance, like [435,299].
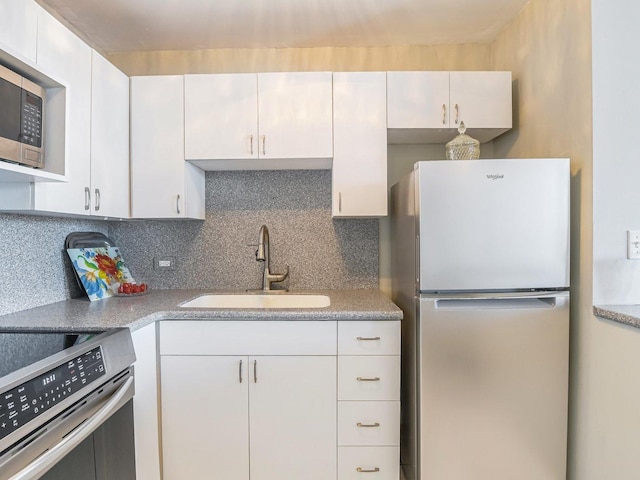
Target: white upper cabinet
[221,116]
[163,185]
[427,107]
[294,115]
[109,139]
[18,28]
[259,121]
[359,173]
[68,58]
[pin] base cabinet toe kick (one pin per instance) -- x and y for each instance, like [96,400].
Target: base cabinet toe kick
[257,400]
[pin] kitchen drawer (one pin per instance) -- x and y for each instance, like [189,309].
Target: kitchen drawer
[178,337]
[369,338]
[368,378]
[368,463]
[369,423]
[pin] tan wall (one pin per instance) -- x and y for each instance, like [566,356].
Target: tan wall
[440,57]
[548,49]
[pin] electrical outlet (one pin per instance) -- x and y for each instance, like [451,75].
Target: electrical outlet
[164,263]
[633,244]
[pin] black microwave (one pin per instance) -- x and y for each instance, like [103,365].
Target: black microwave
[21,120]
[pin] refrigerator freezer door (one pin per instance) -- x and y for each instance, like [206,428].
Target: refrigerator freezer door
[493,388]
[493,224]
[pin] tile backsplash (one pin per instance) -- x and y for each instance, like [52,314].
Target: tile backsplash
[219,253]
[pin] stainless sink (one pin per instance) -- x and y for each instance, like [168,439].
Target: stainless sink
[259,300]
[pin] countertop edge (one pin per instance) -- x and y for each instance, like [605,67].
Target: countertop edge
[625,314]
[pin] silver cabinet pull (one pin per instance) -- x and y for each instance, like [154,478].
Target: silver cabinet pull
[364,339]
[368,425]
[264,141]
[368,379]
[87,198]
[444,114]
[240,371]
[178,204]
[340,202]
[251,140]
[255,371]
[457,113]
[367,470]
[97,207]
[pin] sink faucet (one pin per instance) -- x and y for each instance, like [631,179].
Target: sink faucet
[262,255]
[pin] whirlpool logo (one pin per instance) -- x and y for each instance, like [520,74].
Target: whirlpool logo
[495,176]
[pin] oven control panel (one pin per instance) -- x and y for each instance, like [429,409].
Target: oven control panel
[27,401]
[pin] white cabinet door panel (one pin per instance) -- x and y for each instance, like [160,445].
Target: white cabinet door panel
[293,418]
[418,99]
[480,99]
[109,139]
[205,429]
[18,27]
[221,116]
[295,115]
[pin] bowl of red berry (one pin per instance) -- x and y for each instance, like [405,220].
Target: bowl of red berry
[131,289]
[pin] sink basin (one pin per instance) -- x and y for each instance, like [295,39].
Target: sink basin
[260,300]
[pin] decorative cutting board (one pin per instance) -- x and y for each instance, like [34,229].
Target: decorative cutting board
[100,270]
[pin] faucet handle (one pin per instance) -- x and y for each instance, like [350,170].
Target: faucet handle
[279,277]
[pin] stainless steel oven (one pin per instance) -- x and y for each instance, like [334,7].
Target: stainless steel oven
[70,415]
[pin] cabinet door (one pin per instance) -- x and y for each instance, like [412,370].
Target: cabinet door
[359,173]
[163,185]
[205,430]
[481,99]
[18,27]
[145,404]
[68,58]
[293,418]
[109,139]
[221,116]
[418,99]
[294,115]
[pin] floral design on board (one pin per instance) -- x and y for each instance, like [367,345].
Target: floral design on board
[99,270]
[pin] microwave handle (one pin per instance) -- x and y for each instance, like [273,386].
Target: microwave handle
[43,463]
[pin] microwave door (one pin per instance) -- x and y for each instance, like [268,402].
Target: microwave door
[10,99]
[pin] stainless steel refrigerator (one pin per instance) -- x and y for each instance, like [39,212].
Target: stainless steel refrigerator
[481,271]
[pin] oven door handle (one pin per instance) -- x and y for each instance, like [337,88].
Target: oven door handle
[43,463]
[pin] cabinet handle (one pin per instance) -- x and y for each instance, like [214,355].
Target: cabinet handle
[340,202]
[264,141]
[368,379]
[367,470]
[240,371]
[251,140]
[364,339]
[87,198]
[178,204]
[367,425]
[255,371]
[457,114]
[444,114]
[97,207]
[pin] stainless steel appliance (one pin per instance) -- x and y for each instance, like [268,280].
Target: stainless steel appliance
[70,415]
[21,120]
[481,271]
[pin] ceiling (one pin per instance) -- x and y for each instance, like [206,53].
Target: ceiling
[131,25]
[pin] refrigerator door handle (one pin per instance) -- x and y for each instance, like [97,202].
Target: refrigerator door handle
[495,303]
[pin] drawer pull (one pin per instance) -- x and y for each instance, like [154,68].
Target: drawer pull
[368,379]
[367,338]
[368,425]
[367,470]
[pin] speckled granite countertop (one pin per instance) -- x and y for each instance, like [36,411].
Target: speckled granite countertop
[81,315]
[627,314]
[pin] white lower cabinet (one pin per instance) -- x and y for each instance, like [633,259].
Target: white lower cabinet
[260,417]
[372,463]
